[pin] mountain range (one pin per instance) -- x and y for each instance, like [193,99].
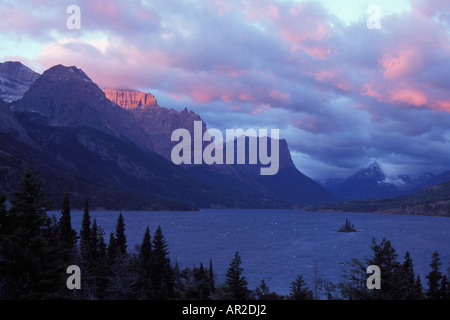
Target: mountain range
[113,147]
[371,182]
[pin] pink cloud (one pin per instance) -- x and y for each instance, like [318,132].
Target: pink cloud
[263,10]
[412,97]
[401,63]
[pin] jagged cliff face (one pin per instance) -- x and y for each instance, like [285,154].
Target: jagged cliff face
[131,99]
[15,80]
[158,122]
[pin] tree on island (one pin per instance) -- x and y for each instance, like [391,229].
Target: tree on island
[348,227]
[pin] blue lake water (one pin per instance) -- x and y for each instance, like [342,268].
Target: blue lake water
[278,245]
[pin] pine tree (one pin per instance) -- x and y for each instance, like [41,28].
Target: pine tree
[211,277]
[262,291]
[120,235]
[162,272]
[299,290]
[202,282]
[30,264]
[385,257]
[418,289]
[434,278]
[67,235]
[113,249]
[144,265]
[409,280]
[85,235]
[443,290]
[235,281]
[100,261]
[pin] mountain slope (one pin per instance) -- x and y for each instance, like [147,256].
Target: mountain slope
[90,153]
[16,156]
[15,80]
[435,180]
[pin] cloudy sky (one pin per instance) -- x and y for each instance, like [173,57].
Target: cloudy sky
[341,94]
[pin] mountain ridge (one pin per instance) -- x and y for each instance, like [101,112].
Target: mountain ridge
[15,80]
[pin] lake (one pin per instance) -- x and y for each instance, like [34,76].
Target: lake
[278,245]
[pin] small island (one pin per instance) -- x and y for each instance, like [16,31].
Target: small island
[348,227]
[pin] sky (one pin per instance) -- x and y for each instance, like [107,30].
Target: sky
[342,94]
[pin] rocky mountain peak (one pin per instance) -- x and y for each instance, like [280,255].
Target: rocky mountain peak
[373,173]
[63,73]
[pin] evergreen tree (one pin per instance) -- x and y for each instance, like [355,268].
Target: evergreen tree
[113,249]
[418,289]
[299,290]
[162,273]
[144,265]
[235,281]
[443,290]
[99,260]
[385,257]
[393,281]
[85,235]
[262,292]
[30,264]
[211,277]
[120,235]
[178,283]
[409,281]
[68,236]
[94,238]
[202,282]
[434,278]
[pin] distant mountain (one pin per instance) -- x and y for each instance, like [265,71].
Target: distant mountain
[431,201]
[15,80]
[371,182]
[366,183]
[435,180]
